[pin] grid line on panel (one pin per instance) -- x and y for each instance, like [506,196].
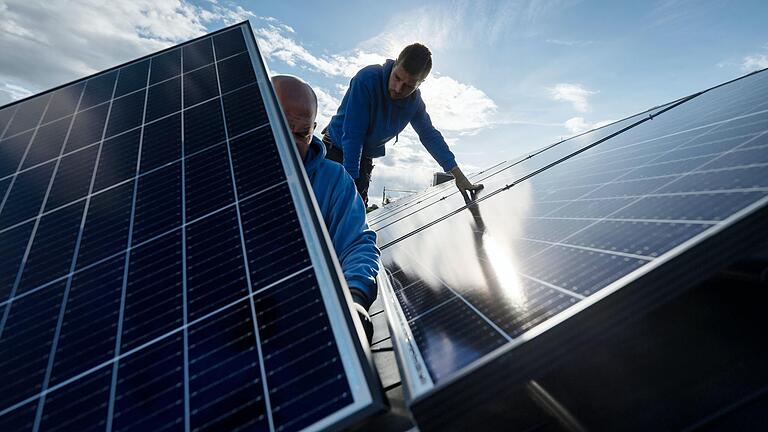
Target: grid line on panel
[17,281]
[267,401]
[667,221]
[504,188]
[590,249]
[123,182]
[716,123]
[151,342]
[133,129]
[618,180]
[62,308]
[554,287]
[144,242]
[126,264]
[185,313]
[677,178]
[10,119]
[47,122]
[466,302]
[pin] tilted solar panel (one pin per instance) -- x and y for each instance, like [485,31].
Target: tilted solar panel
[164,266]
[484,297]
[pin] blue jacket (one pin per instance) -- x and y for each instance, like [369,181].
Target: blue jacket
[344,216]
[367,118]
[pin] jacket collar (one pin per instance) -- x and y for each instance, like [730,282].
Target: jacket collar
[315,155]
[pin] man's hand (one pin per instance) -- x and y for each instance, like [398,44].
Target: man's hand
[365,319]
[463,184]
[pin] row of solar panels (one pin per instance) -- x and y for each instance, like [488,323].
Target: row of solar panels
[567,244]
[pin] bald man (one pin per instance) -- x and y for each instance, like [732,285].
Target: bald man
[336,196]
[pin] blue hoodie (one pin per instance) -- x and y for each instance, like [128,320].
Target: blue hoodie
[368,118]
[344,216]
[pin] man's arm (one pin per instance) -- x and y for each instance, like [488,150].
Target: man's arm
[435,144]
[432,139]
[356,117]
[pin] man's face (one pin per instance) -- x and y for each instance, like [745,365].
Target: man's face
[402,83]
[302,125]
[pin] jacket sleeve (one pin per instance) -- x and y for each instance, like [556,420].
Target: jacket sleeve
[355,128]
[432,139]
[354,242]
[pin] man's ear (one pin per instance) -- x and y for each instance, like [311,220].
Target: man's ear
[314,126]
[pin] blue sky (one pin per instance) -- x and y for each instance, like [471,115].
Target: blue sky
[508,76]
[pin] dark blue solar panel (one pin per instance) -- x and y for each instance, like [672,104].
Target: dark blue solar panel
[203,126]
[536,243]
[158,203]
[13,244]
[88,128]
[243,110]
[197,54]
[6,115]
[165,65]
[126,113]
[235,72]
[209,183]
[135,291]
[48,142]
[200,85]
[28,116]
[50,256]
[106,226]
[228,44]
[26,340]
[163,99]
[253,156]
[132,78]
[12,151]
[98,89]
[88,333]
[161,143]
[64,102]
[117,161]
[72,180]
[153,305]
[214,280]
[24,199]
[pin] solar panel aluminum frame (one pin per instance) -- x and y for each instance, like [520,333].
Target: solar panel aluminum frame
[364,384]
[487,385]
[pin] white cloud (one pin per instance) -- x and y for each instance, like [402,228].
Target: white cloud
[754,62]
[15,92]
[577,125]
[576,94]
[47,43]
[457,107]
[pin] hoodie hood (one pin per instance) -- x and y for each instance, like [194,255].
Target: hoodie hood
[315,155]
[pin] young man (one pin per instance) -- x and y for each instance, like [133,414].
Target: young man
[343,212]
[380,102]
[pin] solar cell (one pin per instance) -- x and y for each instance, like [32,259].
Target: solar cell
[488,295]
[163,266]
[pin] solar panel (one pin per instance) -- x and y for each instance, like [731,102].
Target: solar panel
[564,246]
[164,264]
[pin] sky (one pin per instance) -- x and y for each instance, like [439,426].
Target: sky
[508,77]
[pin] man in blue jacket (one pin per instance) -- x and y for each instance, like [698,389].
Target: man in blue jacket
[343,212]
[379,104]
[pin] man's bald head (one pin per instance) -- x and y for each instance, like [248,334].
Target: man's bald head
[295,94]
[299,103]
